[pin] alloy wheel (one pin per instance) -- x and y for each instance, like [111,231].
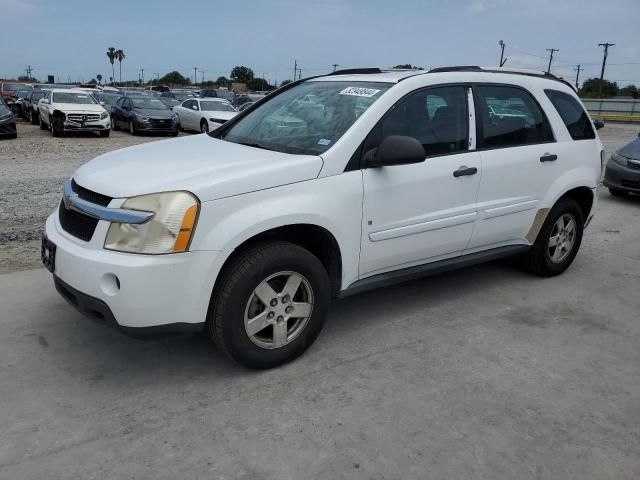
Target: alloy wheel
[562,238]
[278,309]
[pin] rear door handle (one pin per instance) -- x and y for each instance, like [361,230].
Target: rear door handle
[464,170]
[548,157]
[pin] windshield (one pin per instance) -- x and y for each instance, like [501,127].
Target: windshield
[78,98]
[11,87]
[307,119]
[216,107]
[37,95]
[147,103]
[108,99]
[182,96]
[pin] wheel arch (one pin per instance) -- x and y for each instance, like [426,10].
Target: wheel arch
[315,238]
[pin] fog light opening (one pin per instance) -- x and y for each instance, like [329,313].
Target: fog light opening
[110,284]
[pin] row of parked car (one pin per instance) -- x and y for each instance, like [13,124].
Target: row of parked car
[63,109]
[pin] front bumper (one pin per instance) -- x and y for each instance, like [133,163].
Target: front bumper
[132,292]
[155,126]
[8,129]
[620,177]
[97,126]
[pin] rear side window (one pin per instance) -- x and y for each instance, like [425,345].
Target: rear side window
[572,114]
[509,116]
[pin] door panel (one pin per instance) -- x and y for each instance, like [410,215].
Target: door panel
[514,138]
[417,213]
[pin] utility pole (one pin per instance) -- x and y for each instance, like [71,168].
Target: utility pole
[295,69]
[195,74]
[142,75]
[29,70]
[551,50]
[604,62]
[578,69]
[202,76]
[299,74]
[335,66]
[502,45]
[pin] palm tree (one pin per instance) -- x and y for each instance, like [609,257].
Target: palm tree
[111,53]
[120,57]
[99,77]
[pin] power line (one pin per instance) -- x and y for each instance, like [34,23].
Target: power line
[551,50]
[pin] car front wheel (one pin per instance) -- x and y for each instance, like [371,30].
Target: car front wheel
[270,304]
[558,241]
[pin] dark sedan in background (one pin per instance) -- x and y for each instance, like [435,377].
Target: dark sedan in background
[143,114]
[7,121]
[622,175]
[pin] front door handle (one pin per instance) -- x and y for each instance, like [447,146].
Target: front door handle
[464,170]
[548,157]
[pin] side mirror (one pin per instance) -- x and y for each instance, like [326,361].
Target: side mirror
[396,150]
[194,107]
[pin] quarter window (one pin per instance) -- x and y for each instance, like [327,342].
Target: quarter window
[509,116]
[436,117]
[572,114]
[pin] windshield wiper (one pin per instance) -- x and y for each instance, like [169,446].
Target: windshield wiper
[255,145]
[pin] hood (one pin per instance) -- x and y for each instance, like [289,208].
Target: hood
[208,167]
[153,113]
[631,150]
[219,114]
[74,107]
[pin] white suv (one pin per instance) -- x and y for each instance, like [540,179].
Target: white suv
[327,187]
[72,110]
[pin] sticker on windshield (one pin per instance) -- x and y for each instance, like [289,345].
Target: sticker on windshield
[359,91]
[324,142]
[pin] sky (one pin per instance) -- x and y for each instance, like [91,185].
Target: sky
[69,38]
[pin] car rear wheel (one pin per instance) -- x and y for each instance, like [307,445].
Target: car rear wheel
[558,241]
[43,126]
[204,126]
[270,304]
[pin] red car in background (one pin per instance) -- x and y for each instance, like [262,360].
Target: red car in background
[7,88]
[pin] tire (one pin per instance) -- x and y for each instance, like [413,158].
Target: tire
[235,302]
[114,124]
[43,126]
[618,193]
[105,133]
[56,131]
[547,260]
[34,118]
[132,128]
[204,127]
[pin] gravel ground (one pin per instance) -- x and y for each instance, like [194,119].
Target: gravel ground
[33,168]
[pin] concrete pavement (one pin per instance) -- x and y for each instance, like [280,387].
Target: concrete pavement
[486,372]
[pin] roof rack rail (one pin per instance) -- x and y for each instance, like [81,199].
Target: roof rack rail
[356,71]
[475,68]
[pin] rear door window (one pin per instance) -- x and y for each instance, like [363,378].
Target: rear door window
[572,114]
[509,116]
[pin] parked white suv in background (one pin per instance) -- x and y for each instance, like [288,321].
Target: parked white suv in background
[72,110]
[327,187]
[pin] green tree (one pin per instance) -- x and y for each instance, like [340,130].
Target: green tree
[629,91]
[591,88]
[222,82]
[99,77]
[241,74]
[285,82]
[111,54]
[93,81]
[408,66]
[120,56]
[258,84]
[174,78]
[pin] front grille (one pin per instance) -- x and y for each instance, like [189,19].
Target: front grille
[83,117]
[90,196]
[630,183]
[155,123]
[77,224]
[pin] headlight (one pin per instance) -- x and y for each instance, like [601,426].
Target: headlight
[168,231]
[104,116]
[619,159]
